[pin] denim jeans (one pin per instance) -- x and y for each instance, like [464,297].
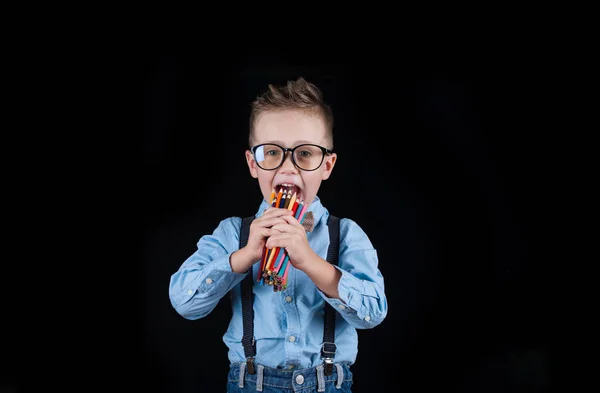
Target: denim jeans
[270,380]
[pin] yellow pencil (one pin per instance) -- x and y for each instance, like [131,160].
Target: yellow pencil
[272,253]
[272,200]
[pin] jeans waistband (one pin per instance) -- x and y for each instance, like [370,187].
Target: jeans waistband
[295,380]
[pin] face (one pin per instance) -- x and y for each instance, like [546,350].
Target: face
[291,128]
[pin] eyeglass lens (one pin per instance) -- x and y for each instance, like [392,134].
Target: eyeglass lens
[307,157]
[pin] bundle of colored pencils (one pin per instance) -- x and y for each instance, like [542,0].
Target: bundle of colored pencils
[275,263]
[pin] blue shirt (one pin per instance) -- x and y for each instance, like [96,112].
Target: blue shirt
[288,324]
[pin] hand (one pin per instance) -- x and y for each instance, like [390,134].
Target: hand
[291,235]
[262,228]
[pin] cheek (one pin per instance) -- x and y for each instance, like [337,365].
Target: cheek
[265,178]
[312,180]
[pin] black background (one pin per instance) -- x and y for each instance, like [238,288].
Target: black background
[445,167]
[439,168]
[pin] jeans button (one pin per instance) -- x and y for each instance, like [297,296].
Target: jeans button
[299,379]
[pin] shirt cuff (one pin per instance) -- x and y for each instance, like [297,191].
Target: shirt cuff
[344,305]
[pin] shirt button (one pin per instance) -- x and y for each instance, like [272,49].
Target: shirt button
[342,307]
[209,280]
[299,379]
[367,318]
[292,338]
[288,299]
[190,291]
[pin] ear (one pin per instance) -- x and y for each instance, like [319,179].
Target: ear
[328,165]
[251,164]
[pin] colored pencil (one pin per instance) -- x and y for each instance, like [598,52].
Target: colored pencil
[275,262]
[265,255]
[288,198]
[279,195]
[292,202]
[298,210]
[282,200]
[294,209]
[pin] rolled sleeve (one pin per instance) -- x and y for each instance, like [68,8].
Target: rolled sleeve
[362,301]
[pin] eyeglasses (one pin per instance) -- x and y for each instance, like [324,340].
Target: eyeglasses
[308,157]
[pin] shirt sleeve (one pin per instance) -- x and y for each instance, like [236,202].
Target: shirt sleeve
[206,276]
[363,302]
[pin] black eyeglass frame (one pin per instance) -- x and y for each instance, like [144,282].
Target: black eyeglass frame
[291,150]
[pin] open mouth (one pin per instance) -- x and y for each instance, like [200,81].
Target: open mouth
[289,189]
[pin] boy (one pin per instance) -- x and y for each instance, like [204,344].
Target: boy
[291,149]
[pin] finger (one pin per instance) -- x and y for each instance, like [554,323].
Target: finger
[270,222]
[276,210]
[285,227]
[292,221]
[265,232]
[277,240]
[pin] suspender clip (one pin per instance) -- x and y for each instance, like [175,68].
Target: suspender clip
[328,363]
[250,366]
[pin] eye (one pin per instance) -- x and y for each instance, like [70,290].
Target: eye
[304,153]
[272,152]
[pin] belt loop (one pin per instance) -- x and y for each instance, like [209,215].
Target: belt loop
[242,372]
[340,378]
[259,378]
[320,379]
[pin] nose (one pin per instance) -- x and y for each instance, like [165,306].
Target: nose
[288,164]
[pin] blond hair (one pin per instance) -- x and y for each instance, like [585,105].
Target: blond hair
[298,94]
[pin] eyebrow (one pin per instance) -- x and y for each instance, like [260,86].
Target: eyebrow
[296,143]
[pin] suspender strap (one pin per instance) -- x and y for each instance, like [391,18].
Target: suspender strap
[247,300]
[328,348]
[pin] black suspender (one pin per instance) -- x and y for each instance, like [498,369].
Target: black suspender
[247,300]
[328,348]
